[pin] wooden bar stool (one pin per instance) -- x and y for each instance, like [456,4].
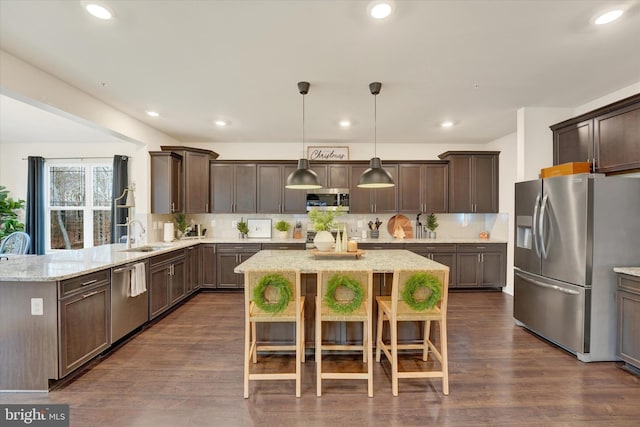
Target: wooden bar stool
[272,296]
[345,296]
[416,296]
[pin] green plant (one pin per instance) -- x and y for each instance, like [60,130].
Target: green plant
[322,220]
[432,222]
[243,227]
[8,215]
[338,281]
[283,225]
[180,220]
[417,282]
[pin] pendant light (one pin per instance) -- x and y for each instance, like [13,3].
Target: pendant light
[375,176]
[303,178]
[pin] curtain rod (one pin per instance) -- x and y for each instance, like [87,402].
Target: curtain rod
[77,158]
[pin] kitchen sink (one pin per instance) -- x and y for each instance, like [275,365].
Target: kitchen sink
[143,249]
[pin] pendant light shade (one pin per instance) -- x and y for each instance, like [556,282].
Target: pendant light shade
[303,178]
[375,176]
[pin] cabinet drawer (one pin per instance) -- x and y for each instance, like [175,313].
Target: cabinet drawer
[629,284]
[376,246]
[240,247]
[76,284]
[168,257]
[480,247]
[434,247]
[284,246]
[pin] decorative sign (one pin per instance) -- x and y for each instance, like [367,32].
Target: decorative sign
[328,153]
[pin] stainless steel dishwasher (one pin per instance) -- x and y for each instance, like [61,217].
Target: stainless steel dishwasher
[127,312]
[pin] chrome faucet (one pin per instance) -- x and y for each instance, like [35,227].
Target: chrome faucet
[143,231]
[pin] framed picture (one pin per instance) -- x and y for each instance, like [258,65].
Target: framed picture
[327,153]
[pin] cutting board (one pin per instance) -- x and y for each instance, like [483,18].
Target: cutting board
[402,222]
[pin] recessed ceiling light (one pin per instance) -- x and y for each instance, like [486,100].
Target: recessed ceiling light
[446,124]
[221,123]
[380,9]
[344,123]
[98,10]
[152,113]
[608,17]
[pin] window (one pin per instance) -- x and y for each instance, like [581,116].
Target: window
[78,204]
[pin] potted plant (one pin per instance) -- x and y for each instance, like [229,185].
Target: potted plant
[8,216]
[182,226]
[243,228]
[283,227]
[323,222]
[432,224]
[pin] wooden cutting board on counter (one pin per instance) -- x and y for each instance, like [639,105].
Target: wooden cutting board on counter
[402,222]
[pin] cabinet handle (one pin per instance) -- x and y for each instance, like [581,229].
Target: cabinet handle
[173,209]
[89,282]
[90,294]
[206,207]
[480,247]
[478,258]
[482,258]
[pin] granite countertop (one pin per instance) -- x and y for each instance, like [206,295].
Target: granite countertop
[380,261]
[66,264]
[631,271]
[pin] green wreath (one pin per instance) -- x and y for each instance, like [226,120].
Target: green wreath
[277,282]
[418,281]
[341,280]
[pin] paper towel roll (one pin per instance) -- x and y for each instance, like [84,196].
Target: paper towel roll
[168,232]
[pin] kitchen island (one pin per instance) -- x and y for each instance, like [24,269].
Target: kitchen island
[381,261]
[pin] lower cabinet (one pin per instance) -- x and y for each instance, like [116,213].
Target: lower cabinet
[481,266]
[167,282]
[443,253]
[84,311]
[194,275]
[228,257]
[208,263]
[628,302]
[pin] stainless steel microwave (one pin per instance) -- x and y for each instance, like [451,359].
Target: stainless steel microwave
[328,199]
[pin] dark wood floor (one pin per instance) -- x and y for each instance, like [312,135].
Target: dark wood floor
[186,370]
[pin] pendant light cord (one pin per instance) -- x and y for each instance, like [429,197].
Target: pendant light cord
[375,126]
[303,155]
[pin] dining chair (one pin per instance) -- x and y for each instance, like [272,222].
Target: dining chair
[344,296]
[17,243]
[272,296]
[416,295]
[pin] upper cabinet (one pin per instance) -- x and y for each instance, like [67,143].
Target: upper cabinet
[272,196]
[333,175]
[195,178]
[608,138]
[233,187]
[423,187]
[473,181]
[166,182]
[379,200]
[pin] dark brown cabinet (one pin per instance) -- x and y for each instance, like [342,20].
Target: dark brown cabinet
[84,310]
[473,181]
[166,182]
[273,197]
[608,138]
[208,263]
[193,273]
[228,257]
[423,187]
[481,266]
[195,177]
[443,253]
[380,200]
[233,187]
[628,325]
[167,282]
[332,175]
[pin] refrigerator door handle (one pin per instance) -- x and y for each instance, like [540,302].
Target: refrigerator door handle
[536,211]
[543,211]
[546,285]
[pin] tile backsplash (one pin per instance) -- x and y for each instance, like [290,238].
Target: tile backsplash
[450,225]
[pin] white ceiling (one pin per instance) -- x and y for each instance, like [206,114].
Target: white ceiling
[474,62]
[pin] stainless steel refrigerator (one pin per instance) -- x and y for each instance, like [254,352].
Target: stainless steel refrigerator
[570,232]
